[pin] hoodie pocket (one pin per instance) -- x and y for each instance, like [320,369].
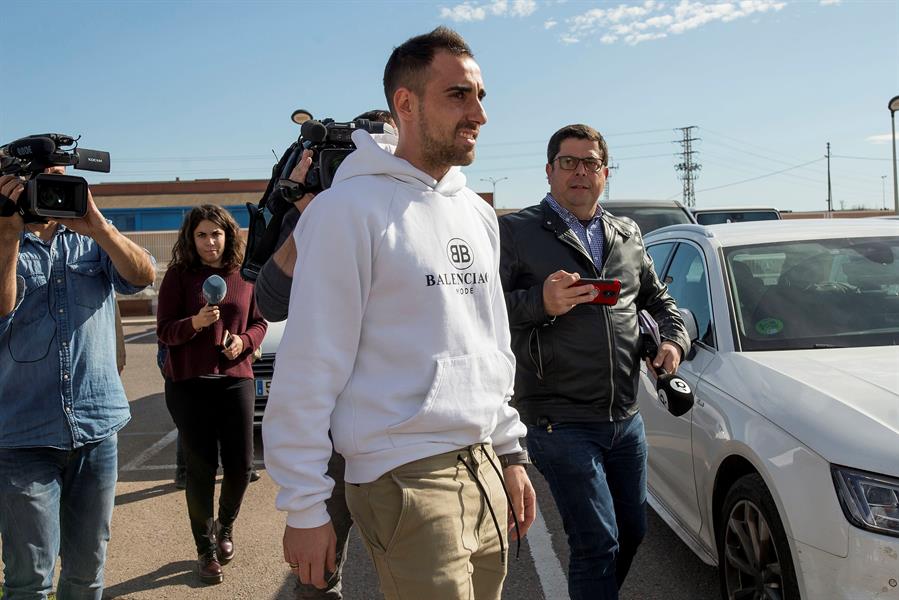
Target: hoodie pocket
[462,404]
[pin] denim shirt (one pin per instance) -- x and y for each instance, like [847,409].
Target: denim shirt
[591,236]
[59,385]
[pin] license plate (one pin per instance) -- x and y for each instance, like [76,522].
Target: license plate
[262,387]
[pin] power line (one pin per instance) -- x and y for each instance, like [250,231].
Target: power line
[857,157]
[821,172]
[718,187]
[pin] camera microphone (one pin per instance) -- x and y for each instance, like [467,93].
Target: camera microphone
[313,131]
[214,289]
[29,148]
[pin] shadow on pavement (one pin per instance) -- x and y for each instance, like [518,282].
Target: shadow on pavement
[173,574]
[147,494]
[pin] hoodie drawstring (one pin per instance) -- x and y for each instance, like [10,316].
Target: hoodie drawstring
[474,475]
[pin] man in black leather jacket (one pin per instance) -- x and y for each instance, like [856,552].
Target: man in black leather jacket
[578,362]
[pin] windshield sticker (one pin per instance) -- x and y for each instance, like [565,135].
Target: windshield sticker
[769,326]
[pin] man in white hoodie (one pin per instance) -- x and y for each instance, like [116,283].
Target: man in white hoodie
[398,341]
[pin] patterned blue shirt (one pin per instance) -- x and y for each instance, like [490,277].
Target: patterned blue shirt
[591,236]
[59,384]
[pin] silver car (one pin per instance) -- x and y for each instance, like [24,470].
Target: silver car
[785,474]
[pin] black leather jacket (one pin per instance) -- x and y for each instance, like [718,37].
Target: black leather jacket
[584,365]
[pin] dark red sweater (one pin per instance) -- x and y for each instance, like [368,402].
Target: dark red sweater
[192,354]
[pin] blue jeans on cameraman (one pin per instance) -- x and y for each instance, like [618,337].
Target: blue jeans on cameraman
[597,475]
[56,503]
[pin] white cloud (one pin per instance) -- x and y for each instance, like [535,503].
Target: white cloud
[883,138]
[474,11]
[463,12]
[831,2]
[653,20]
[550,24]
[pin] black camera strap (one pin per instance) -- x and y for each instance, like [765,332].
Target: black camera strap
[7,207]
[262,236]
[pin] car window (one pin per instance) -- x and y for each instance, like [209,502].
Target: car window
[688,285]
[650,218]
[815,293]
[735,216]
[659,254]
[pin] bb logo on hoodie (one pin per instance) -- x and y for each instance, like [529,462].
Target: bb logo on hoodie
[459,253]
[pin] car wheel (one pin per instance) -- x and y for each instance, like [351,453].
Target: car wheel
[754,561]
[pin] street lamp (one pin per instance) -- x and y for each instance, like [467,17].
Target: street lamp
[883,191]
[494,182]
[894,106]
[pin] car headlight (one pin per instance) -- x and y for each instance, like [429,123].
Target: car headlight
[869,501]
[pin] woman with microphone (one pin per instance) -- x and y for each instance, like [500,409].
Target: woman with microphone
[207,318]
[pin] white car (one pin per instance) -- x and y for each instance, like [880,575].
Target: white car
[264,367]
[785,474]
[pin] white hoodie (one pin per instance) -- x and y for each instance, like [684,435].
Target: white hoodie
[398,338]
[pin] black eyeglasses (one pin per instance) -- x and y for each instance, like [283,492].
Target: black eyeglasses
[570,163]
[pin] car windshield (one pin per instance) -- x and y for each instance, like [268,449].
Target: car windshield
[816,293]
[649,218]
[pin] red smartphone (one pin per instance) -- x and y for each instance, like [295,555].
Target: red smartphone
[607,290]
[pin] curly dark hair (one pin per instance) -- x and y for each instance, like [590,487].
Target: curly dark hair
[184,253]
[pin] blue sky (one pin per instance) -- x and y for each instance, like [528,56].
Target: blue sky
[205,89]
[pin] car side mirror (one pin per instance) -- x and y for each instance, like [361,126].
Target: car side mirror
[690,323]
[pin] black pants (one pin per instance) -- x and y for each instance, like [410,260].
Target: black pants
[213,415]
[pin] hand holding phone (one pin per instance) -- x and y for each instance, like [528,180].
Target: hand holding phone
[607,290]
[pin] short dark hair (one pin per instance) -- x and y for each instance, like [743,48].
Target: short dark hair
[378,116]
[581,132]
[409,62]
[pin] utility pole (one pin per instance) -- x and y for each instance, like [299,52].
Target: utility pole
[829,196]
[687,167]
[883,191]
[613,166]
[494,181]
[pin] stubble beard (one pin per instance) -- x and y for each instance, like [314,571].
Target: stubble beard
[439,154]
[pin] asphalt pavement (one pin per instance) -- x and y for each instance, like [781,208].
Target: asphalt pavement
[151,552]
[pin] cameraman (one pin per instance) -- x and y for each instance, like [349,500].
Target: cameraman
[63,402]
[272,299]
[276,275]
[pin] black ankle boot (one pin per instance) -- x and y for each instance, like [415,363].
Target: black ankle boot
[209,568]
[224,542]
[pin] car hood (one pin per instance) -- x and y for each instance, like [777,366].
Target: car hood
[843,403]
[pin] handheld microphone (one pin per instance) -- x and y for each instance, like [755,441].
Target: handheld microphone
[674,393]
[214,289]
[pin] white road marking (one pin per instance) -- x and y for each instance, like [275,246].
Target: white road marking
[549,569]
[139,335]
[140,459]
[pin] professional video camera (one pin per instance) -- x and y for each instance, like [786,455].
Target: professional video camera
[49,195]
[330,143]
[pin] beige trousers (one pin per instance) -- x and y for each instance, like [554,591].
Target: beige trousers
[429,529]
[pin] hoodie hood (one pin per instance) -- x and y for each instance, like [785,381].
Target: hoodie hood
[374,156]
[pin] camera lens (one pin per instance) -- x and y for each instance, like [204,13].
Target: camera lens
[335,162]
[51,197]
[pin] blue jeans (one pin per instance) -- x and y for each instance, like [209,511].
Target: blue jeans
[597,475]
[56,503]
